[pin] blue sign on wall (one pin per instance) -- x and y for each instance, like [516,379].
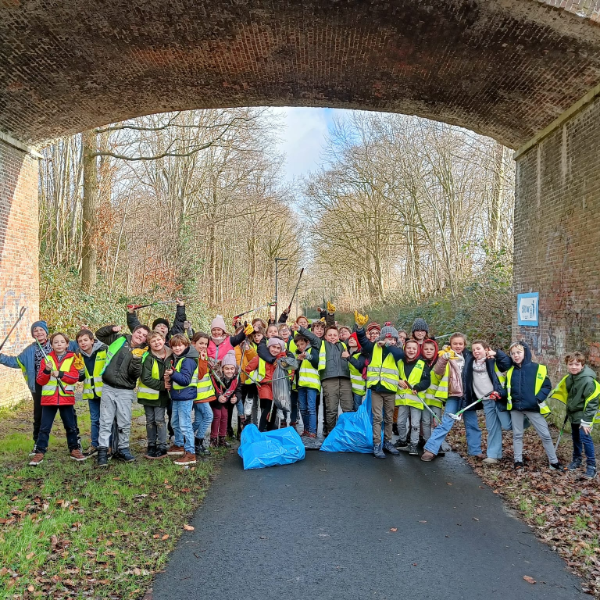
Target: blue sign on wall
[528,309]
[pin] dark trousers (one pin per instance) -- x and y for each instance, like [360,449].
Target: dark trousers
[583,441]
[170,415]
[265,423]
[67,414]
[219,424]
[37,411]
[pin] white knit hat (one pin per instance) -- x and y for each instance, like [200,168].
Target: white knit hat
[219,322]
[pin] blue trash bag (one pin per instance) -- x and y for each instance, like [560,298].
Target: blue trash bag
[270,448]
[353,431]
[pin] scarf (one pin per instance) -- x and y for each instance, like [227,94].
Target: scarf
[479,365]
[39,355]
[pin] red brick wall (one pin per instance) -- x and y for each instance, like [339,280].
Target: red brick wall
[557,240]
[19,277]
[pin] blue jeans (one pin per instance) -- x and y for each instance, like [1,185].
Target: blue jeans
[441,431]
[495,421]
[583,441]
[358,400]
[182,425]
[307,400]
[94,404]
[67,414]
[203,417]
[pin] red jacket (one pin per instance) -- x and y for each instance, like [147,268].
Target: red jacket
[68,379]
[265,390]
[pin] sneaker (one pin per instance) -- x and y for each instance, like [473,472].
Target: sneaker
[574,464]
[446,447]
[175,451]
[124,455]
[304,433]
[490,461]
[378,451]
[556,466]
[150,452]
[402,445]
[202,449]
[427,456]
[187,459]
[389,447]
[160,453]
[293,423]
[519,466]
[590,472]
[37,459]
[91,451]
[312,435]
[34,451]
[413,449]
[78,455]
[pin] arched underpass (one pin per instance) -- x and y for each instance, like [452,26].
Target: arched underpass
[521,71]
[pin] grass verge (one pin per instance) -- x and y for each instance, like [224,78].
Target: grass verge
[563,509]
[70,530]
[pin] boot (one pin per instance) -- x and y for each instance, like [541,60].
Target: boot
[223,443]
[102,457]
[160,453]
[214,442]
[395,428]
[574,464]
[197,443]
[378,451]
[402,445]
[590,472]
[125,455]
[203,450]
[151,451]
[389,447]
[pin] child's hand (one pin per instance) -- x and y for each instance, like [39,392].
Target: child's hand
[233,400]
[168,373]
[403,384]
[180,302]
[345,354]
[295,327]
[117,328]
[203,354]
[55,374]
[586,429]
[187,324]
[302,356]
[490,353]
[222,399]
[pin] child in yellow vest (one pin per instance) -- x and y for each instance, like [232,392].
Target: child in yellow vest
[414,381]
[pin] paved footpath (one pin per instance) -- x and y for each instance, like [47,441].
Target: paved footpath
[324,529]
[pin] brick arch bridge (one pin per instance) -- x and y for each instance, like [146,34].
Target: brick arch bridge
[522,71]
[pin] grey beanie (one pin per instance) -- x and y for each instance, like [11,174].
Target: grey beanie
[388,330]
[420,325]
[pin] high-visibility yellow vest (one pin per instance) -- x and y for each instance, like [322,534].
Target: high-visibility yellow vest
[383,371]
[112,350]
[193,382]
[406,397]
[560,393]
[501,376]
[308,376]
[92,385]
[323,355]
[259,373]
[206,389]
[542,371]
[437,393]
[49,389]
[24,370]
[291,346]
[146,393]
[356,379]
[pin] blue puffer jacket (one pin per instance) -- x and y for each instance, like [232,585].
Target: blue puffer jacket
[26,362]
[522,384]
[185,375]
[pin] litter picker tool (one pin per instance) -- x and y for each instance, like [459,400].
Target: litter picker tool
[21,313]
[427,407]
[458,415]
[60,383]
[138,306]
[560,433]
[289,308]
[254,309]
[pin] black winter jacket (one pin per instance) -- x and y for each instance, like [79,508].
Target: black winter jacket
[124,369]
[522,384]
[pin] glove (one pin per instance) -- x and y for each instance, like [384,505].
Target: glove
[78,362]
[330,308]
[138,352]
[360,320]
[248,329]
[494,396]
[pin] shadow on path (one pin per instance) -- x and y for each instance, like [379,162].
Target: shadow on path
[321,528]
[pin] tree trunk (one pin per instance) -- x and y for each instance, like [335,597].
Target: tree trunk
[497,196]
[89,207]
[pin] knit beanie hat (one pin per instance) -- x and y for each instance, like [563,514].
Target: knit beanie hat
[420,325]
[275,341]
[160,322]
[388,331]
[229,359]
[41,324]
[219,322]
[372,326]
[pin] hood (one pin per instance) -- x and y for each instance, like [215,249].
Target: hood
[586,372]
[189,352]
[437,349]
[527,359]
[98,345]
[354,336]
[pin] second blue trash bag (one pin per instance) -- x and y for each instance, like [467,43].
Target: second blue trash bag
[270,448]
[353,431]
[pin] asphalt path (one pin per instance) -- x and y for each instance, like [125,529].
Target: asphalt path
[339,526]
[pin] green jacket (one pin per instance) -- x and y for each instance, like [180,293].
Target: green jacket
[574,390]
[156,384]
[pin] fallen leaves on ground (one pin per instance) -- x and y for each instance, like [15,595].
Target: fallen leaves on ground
[563,509]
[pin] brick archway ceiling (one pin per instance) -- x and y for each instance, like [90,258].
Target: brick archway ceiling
[504,68]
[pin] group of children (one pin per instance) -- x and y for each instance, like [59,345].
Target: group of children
[189,384]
